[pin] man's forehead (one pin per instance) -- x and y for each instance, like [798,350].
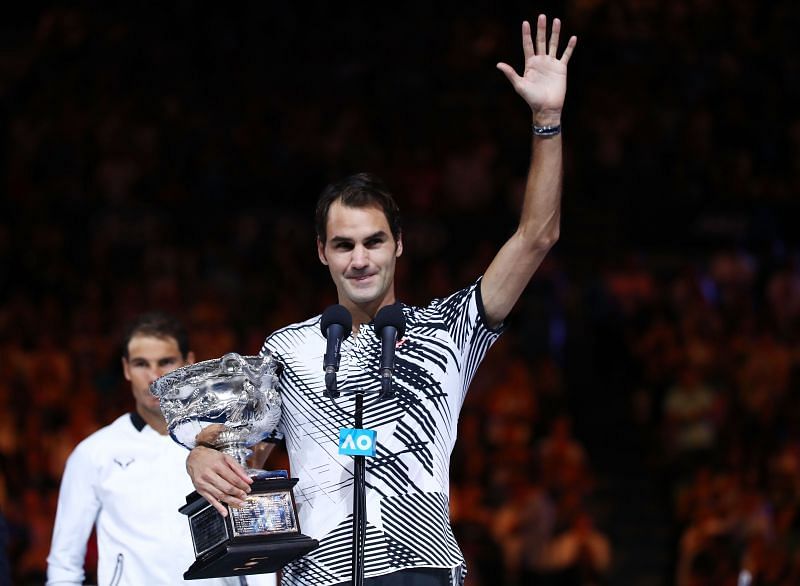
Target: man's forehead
[367,236]
[152,347]
[356,222]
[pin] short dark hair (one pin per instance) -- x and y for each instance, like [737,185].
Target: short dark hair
[156,324]
[357,191]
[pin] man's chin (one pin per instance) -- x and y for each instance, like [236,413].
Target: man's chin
[154,408]
[362,296]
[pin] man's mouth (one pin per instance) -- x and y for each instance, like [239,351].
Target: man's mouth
[360,278]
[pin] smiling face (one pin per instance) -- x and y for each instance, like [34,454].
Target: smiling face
[361,253]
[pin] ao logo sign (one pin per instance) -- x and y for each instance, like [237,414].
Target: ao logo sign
[357,442]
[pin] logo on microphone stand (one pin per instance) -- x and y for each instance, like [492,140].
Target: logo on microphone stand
[357,442]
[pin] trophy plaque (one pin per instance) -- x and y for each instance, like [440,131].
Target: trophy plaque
[239,395]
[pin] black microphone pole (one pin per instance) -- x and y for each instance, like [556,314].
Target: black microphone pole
[359,501]
[390,325]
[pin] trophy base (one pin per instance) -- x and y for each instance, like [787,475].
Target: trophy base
[260,537]
[239,559]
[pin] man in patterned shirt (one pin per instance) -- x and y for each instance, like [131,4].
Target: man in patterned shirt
[409,539]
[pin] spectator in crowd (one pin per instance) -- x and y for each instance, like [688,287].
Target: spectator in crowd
[579,555]
[691,422]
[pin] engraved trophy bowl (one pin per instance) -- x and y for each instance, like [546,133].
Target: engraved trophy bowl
[238,395]
[236,392]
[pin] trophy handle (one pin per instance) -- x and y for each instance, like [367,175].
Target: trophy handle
[233,362]
[230,363]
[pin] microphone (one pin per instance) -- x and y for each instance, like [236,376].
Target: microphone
[336,324]
[390,325]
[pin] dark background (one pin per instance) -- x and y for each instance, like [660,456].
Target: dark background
[169,157]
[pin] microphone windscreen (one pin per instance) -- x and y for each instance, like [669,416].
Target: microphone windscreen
[336,314]
[391,315]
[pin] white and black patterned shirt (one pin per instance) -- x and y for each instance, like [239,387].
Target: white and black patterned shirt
[408,522]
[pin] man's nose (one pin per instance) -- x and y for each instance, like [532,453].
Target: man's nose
[360,257]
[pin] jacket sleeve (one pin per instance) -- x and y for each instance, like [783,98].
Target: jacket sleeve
[78,507]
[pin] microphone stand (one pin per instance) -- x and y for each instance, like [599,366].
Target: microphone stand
[359,494]
[359,501]
[359,484]
[392,316]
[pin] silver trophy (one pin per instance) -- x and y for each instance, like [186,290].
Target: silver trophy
[236,392]
[238,396]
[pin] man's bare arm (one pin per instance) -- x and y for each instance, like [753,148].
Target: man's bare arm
[543,86]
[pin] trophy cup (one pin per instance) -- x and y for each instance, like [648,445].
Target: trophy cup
[237,393]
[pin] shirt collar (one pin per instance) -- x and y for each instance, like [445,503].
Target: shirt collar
[137,421]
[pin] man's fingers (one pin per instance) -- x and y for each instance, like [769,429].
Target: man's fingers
[229,498]
[541,35]
[573,40]
[553,49]
[527,42]
[509,72]
[223,482]
[215,502]
[240,473]
[211,471]
[217,490]
[227,489]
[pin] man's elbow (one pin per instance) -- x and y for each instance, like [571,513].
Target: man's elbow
[540,233]
[547,241]
[541,241]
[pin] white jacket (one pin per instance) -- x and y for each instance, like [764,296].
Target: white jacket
[129,483]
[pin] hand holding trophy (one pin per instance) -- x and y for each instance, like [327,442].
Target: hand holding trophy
[233,403]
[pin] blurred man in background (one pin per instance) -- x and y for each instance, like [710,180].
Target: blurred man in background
[128,480]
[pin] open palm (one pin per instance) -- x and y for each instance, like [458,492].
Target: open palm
[543,84]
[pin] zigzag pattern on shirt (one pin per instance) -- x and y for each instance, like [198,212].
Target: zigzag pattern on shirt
[307,571]
[335,551]
[436,544]
[408,477]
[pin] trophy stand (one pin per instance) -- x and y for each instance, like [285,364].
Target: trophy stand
[261,537]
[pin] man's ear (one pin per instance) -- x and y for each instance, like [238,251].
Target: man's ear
[399,250]
[321,252]
[190,357]
[126,369]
